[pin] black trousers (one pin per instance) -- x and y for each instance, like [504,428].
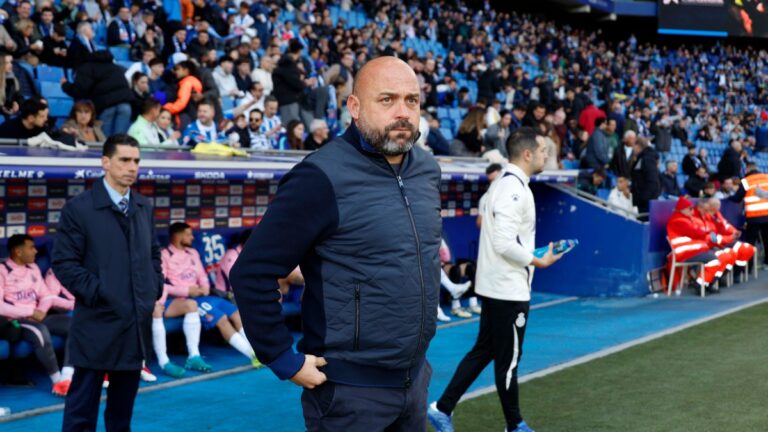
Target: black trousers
[39,335]
[502,330]
[333,407]
[81,410]
[755,231]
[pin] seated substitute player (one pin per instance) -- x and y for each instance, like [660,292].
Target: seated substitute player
[23,293]
[228,260]
[186,278]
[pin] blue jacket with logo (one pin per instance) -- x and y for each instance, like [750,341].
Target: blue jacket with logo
[366,235]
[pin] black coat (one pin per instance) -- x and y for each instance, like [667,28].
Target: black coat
[288,86]
[691,164]
[729,165]
[645,178]
[100,80]
[77,53]
[111,264]
[621,165]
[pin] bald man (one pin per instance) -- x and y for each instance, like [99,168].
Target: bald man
[361,216]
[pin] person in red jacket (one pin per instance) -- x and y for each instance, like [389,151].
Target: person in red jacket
[588,116]
[717,243]
[743,251]
[689,243]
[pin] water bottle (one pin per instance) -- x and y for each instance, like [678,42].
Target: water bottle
[560,246]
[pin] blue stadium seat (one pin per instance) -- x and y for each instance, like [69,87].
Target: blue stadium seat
[570,164]
[50,73]
[442,112]
[50,89]
[121,53]
[603,193]
[227,103]
[173,325]
[60,107]
[447,133]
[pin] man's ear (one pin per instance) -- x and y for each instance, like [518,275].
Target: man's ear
[353,105]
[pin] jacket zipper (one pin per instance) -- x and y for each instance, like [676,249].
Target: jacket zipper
[421,274]
[356,343]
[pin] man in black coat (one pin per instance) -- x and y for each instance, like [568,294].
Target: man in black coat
[102,81]
[730,164]
[669,184]
[289,83]
[645,176]
[82,45]
[107,255]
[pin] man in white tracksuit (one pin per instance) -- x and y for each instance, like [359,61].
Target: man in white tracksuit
[504,274]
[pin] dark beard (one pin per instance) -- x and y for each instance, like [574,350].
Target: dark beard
[383,144]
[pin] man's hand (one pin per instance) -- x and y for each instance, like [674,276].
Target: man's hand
[37,315]
[196,291]
[309,376]
[548,259]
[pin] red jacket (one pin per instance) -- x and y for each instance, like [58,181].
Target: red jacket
[588,116]
[687,237]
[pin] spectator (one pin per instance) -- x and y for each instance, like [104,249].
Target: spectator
[645,176]
[289,83]
[591,183]
[435,139]
[184,107]
[203,130]
[243,75]
[157,85]
[470,133]
[669,185]
[730,164]
[318,135]
[588,117]
[263,74]
[704,158]
[26,41]
[200,45]
[535,116]
[692,162]
[55,47]
[271,124]
[728,188]
[518,114]
[177,42]
[6,40]
[168,134]
[238,134]
[150,40]
[140,89]
[120,31]
[621,197]
[225,80]
[257,140]
[709,190]
[496,135]
[31,121]
[294,136]
[621,164]
[145,129]
[345,70]
[141,66]
[82,123]
[598,152]
[695,184]
[552,142]
[10,90]
[99,79]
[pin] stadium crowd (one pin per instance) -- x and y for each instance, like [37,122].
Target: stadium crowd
[275,75]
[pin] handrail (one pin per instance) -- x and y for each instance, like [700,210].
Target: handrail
[589,197]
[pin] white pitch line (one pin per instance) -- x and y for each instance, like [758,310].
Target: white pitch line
[614,349]
[147,389]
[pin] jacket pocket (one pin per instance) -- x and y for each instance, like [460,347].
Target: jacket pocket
[356,340]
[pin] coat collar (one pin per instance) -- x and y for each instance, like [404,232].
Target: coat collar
[101,198]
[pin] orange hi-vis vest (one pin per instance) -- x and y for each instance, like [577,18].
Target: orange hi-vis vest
[754,206]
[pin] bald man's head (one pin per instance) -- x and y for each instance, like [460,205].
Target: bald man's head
[385,105]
